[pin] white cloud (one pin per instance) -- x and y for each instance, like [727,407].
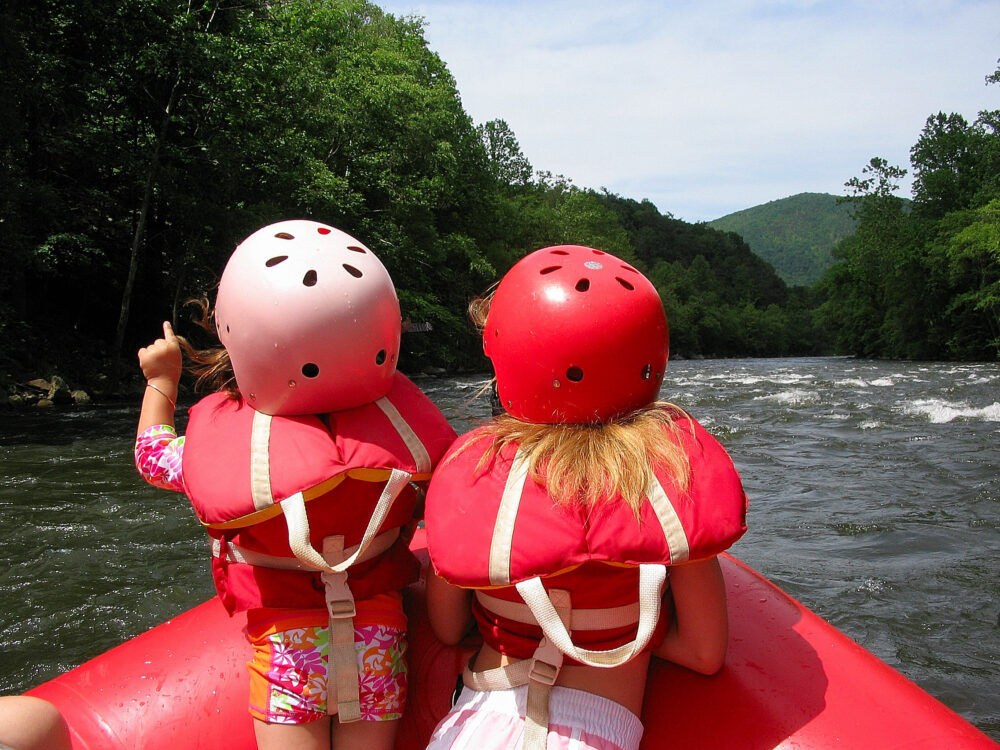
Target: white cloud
[707,108]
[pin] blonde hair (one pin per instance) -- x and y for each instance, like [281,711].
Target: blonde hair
[588,464]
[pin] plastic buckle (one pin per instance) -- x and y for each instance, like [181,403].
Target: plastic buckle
[341,609]
[339,600]
[543,672]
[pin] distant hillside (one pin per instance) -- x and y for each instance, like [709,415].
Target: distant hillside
[795,235]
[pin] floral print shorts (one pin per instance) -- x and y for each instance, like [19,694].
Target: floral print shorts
[288,676]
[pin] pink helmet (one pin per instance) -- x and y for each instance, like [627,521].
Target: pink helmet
[576,336]
[310,319]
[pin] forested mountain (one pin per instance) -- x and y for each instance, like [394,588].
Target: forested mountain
[796,235]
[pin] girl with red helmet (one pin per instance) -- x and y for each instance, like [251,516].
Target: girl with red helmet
[580,528]
[303,468]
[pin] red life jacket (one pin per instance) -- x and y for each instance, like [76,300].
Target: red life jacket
[293,503]
[568,581]
[593,553]
[338,462]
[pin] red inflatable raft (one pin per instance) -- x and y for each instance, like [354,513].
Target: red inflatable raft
[790,681]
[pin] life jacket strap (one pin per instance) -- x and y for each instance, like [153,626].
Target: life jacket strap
[503,528]
[421,458]
[539,673]
[670,522]
[596,618]
[260,461]
[652,578]
[552,612]
[236,554]
[342,673]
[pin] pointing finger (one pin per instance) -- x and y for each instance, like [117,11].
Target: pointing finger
[168,332]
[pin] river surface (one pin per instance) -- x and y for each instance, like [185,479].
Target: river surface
[874,492]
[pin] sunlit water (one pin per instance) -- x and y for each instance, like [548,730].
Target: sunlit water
[874,489]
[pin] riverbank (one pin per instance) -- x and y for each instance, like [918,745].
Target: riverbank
[46,392]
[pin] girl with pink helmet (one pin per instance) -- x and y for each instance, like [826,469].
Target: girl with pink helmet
[304,466]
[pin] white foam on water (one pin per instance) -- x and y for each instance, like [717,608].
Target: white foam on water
[791,398]
[856,382]
[939,411]
[776,378]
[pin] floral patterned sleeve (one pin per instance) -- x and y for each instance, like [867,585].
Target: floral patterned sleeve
[158,453]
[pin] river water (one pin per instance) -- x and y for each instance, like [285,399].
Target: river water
[874,491]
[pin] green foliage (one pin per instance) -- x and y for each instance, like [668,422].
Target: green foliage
[924,284]
[796,235]
[144,138]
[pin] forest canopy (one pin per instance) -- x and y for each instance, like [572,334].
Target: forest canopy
[144,139]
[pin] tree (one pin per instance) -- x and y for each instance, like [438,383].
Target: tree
[972,248]
[857,285]
[508,164]
[947,165]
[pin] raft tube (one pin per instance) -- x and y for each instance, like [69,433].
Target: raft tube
[791,680]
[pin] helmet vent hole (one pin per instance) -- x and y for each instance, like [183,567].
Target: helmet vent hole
[356,249]
[310,278]
[323,230]
[559,252]
[549,270]
[647,372]
[285,236]
[310,370]
[625,284]
[380,357]
[356,273]
[583,285]
[575,374]
[272,262]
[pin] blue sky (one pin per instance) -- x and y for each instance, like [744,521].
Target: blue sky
[706,108]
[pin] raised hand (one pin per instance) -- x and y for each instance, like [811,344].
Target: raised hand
[161,364]
[161,361]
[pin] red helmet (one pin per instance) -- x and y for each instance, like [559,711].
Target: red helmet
[576,336]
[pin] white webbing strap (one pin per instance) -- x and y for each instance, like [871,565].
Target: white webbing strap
[503,529]
[670,522]
[260,466]
[539,673]
[651,581]
[343,675]
[421,458]
[294,508]
[545,665]
[234,553]
[342,682]
[596,618]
